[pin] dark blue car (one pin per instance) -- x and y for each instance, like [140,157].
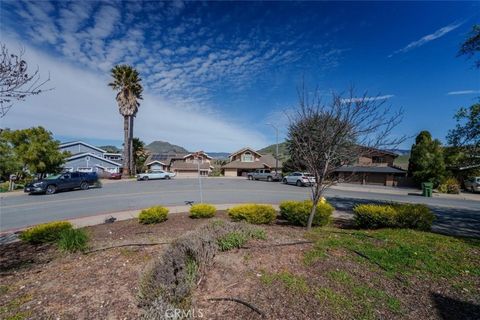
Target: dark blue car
[63,181]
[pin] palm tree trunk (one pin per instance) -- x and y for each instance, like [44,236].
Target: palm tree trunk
[132,158]
[126,147]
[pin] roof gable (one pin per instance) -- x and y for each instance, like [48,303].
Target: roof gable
[244,150]
[73,143]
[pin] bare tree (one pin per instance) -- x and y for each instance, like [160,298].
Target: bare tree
[324,136]
[15,82]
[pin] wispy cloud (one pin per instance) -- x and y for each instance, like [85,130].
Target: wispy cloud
[452,93]
[359,99]
[429,37]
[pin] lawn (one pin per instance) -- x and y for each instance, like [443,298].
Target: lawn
[282,271]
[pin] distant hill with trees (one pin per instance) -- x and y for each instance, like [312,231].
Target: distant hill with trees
[164,147]
[282,150]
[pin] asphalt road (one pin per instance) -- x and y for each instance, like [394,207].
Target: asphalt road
[461,217]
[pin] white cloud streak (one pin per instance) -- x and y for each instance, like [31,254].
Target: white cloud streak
[460,92]
[429,37]
[359,99]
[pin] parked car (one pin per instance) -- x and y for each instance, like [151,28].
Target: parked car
[115,176]
[155,174]
[264,174]
[300,179]
[473,184]
[63,181]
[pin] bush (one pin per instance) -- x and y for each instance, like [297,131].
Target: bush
[202,210]
[232,240]
[412,216]
[253,213]
[449,185]
[72,240]
[153,215]
[297,212]
[46,232]
[373,216]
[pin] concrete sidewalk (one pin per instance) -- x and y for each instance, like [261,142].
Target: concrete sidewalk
[403,191]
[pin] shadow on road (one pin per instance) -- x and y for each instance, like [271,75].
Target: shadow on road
[450,221]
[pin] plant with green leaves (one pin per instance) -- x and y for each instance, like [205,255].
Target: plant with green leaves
[45,232]
[72,240]
[253,213]
[33,150]
[152,215]
[426,162]
[297,212]
[202,210]
[127,82]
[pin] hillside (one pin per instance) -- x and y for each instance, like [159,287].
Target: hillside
[282,150]
[163,146]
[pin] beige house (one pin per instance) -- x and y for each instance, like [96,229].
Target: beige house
[247,160]
[376,167]
[184,165]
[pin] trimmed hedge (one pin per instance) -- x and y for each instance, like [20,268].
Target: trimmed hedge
[153,215]
[202,210]
[396,215]
[253,213]
[45,232]
[297,212]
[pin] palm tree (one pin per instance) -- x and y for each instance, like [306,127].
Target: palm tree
[127,82]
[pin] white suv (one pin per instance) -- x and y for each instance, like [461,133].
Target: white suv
[300,179]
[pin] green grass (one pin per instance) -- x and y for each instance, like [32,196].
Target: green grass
[290,281]
[73,240]
[403,251]
[236,239]
[11,310]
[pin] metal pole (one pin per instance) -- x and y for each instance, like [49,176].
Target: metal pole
[276,146]
[199,180]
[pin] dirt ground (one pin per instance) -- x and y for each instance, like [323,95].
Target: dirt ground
[39,282]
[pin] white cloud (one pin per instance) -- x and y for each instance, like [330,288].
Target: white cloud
[429,37]
[359,99]
[81,106]
[451,93]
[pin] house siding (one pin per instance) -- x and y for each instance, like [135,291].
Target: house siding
[80,164]
[80,148]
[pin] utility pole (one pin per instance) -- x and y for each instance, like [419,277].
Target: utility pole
[276,146]
[197,156]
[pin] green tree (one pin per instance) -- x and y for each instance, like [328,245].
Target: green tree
[140,154]
[426,162]
[35,150]
[471,46]
[9,163]
[127,82]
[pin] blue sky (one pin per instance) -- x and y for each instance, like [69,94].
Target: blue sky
[215,73]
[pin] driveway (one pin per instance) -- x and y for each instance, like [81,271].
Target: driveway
[454,216]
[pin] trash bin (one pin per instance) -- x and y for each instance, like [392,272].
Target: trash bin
[427,188]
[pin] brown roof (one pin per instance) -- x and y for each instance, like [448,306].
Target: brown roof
[180,165]
[244,149]
[266,160]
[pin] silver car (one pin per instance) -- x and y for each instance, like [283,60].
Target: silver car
[155,174]
[300,179]
[473,184]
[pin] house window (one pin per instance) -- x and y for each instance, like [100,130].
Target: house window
[247,157]
[378,159]
[85,169]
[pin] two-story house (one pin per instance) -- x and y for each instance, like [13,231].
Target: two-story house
[247,160]
[87,158]
[185,165]
[374,166]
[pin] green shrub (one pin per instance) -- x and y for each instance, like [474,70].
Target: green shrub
[412,216]
[232,240]
[72,240]
[450,185]
[253,213]
[297,212]
[153,215]
[46,232]
[202,210]
[373,216]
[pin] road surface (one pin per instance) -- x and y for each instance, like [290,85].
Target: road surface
[455,216]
